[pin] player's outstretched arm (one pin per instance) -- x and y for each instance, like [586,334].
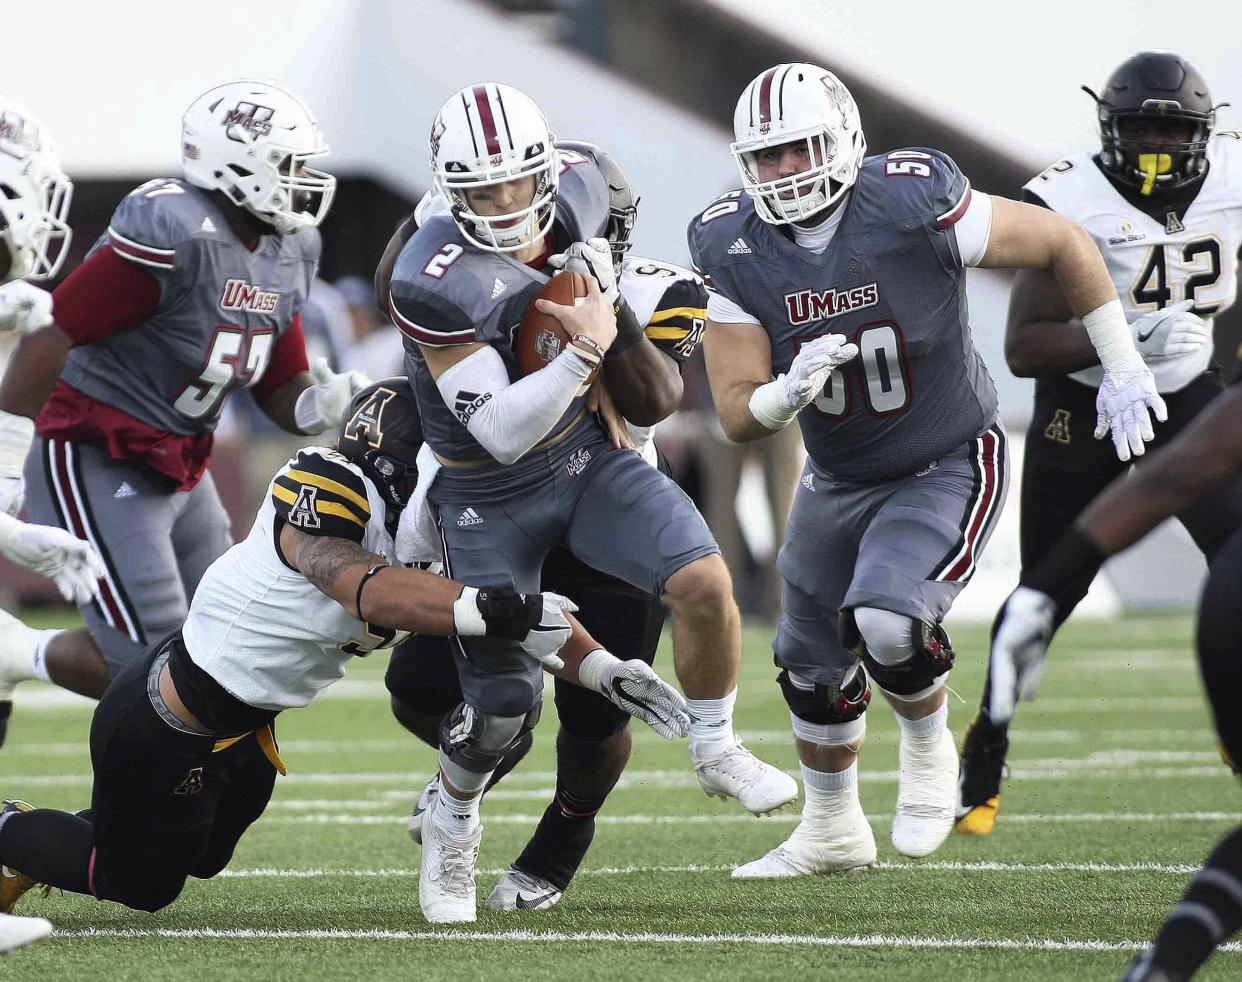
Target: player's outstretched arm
[1024,236]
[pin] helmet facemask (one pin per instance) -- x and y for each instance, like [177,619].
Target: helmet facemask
[800,196]
[1153,163]
[34,211]
[514,230]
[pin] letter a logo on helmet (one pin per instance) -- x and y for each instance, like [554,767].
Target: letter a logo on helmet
[808,106]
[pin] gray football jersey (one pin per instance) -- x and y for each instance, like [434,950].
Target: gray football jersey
[891,280]
[222,308]
[445,291]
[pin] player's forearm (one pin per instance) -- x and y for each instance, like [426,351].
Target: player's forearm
[280,406]
[33,371]
[1079,268]
[579,645]
[644,383]
[1042,348]
[736,418]
[1204,455]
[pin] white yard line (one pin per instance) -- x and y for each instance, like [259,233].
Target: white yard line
[617,937]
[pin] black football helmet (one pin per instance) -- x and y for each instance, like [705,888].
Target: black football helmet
[1146,90]
[382,434]
[622,204]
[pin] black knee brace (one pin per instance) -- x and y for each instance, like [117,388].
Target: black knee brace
[824,705]
[933,656]
[476,742]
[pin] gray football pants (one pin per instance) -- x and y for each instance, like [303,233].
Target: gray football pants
[609,507]
[908,546]
[155,543]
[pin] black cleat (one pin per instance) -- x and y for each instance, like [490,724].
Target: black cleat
[978,784]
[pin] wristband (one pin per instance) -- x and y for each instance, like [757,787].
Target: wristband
[1065,574]
[592,668]
[467,618]
[16,436]
[590,352]
[769,406]
[629,331]
[366,577]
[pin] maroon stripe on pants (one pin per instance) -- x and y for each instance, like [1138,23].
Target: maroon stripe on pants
[987,493]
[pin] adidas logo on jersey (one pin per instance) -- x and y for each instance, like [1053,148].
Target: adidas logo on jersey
[469,517]
[808,481]
[739,247]
[498,287]
[815,305]
[207,226]
[125,491]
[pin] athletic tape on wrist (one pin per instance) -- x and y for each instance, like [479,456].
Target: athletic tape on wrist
[467,618]
[769,406]
[594,665]
[1110,335]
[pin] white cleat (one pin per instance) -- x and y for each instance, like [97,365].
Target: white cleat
[446,882]
[16,649]
[17,932]
[926,794]
[833,845]
[422,809]
[737,773]
[524,891]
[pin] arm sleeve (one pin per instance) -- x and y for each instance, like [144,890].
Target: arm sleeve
[287,360]
[724,311]
[104,295]
[508,419]
[676,325]
[321,496]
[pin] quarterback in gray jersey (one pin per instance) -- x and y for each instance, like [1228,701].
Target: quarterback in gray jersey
[1162,198]
[843,276]
[523,466]
[195,291]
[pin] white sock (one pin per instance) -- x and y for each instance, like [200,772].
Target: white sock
[711,724]
[827,794]
[927,727]
[455,817]
[38,659]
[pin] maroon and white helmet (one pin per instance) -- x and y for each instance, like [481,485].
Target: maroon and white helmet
[488,134]
[798,102]
[34,196]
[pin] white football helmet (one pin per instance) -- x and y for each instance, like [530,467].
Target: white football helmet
[251,139]
[34,196]
[798,102]
[488,134]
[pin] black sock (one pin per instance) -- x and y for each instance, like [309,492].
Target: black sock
[50,846]
[562,839]
[1210,912]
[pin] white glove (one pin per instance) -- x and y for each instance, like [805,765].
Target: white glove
[24,307]
[1170,332]
[634,687]
[323,406]
[591,258]
[16,435]
[545,639]
[71,563]
[1020,642]
[779,401]
[1121,405]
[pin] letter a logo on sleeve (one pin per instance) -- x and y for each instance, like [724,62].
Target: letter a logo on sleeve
[304,513]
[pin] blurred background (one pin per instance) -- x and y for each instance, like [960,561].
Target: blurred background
[655,82]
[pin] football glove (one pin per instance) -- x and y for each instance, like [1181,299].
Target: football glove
[536,621]
[1122,404]
[778,402]
[71,563]
[545,639]
[16,434]
[1020,639]
[633,686]
[591,258]
[323,406]
[24,307]
[1170,332]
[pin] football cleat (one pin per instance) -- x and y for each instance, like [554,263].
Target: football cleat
[926,790]
[830,845]
[978,786]
[16,645]
[1143,970]
[422,808]
[14,885]
[17,932]
[737,773]
[446,882]
[524,891]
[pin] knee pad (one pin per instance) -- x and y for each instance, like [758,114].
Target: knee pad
[475,742]
[826,705]
[916,677]
[586,715]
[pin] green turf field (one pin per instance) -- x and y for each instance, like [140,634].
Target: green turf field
[1117,794]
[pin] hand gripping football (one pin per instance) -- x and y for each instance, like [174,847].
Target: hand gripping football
[540,337]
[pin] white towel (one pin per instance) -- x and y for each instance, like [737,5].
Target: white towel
[418,535]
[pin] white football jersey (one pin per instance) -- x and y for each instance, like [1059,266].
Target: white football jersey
[1154,263]
[671,303]
[260,628]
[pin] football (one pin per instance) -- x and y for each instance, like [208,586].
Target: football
[540,337]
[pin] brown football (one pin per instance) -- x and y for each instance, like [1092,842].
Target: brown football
[540,337]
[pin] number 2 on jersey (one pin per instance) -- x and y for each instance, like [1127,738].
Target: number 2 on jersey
[885,387]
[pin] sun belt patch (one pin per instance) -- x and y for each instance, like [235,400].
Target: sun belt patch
[322,497]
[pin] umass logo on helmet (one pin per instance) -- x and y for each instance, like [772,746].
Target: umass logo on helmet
[816,305]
